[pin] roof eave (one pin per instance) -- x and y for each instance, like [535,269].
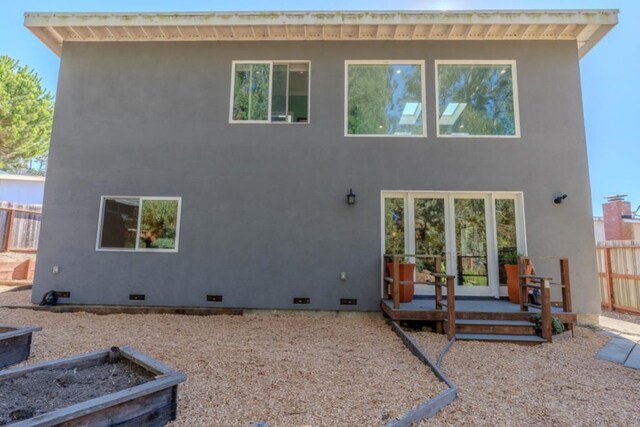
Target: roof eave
[587,27]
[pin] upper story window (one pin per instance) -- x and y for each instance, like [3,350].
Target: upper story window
[385,98]
[270,91]
[139,224]
[477,99]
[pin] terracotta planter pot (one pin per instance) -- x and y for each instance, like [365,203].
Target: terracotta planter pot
[512,283]
[406,273]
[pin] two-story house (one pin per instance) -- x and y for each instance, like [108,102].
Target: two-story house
[205,159]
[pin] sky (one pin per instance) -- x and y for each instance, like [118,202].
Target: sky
[608,72]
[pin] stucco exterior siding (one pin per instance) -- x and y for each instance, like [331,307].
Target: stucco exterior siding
[264,217]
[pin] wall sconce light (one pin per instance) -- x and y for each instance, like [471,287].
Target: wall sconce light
[351,198]
[559,198]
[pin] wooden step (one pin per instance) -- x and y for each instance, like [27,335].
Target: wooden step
[504,327]
[517,339]
[487,315]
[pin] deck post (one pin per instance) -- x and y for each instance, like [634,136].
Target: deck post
[438,298]
[438,267]
[522,290]
[386,292]
[565,281]
[545,309]
[438,264]
[395,286]
[451,308]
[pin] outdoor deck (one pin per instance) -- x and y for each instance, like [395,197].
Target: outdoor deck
[423,308]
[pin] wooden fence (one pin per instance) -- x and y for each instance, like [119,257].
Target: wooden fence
[19,227]
[619,276]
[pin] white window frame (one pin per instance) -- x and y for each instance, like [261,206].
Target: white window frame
[514,80]
[271,64]
[138,248]
[422,64]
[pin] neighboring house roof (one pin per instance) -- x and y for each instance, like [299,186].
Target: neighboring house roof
[10,177]
[586,27]
[629,220]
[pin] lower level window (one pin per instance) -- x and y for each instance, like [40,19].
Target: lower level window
[139,224]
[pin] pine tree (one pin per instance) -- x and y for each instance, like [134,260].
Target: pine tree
[26,113]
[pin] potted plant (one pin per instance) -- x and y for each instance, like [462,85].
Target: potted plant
[510,260]
[406,271]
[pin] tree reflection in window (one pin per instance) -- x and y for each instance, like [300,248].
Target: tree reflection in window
[159,224]
[384,99]
[139,223]
[251,92]
[394,226]
[476,99]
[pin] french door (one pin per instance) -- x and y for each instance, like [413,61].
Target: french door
[470,231]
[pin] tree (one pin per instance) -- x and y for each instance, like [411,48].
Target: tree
[26,113]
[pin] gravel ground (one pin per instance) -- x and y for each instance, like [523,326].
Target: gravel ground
[295,370]
[631,318]
[559,384]
[289,370]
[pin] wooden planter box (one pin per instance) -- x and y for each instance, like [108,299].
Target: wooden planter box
[153,403]
[15,344]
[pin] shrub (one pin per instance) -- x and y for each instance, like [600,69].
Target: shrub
[556,325]
[163,244]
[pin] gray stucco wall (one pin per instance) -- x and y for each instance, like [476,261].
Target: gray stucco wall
[263,211]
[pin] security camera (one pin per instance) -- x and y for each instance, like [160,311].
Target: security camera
[559,198]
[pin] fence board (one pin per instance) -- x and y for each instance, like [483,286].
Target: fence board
[19,226]
[619,275]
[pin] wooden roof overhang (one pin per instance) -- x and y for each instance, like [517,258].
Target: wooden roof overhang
[586,27]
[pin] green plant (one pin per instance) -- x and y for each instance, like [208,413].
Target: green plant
[556,325]
[163,243]
[511,257]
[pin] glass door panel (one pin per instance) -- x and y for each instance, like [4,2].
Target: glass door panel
[471,232]
[394,220]
[471,242]
[430,235]
[506,235]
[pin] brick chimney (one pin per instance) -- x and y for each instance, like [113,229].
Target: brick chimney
[613,212]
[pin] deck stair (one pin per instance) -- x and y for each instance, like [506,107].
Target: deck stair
[515,331]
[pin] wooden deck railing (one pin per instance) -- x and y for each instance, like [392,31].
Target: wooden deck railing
[544,284]
[440,281]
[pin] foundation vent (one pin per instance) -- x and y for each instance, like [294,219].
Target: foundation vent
[136,297]
[214,298]
[348,301]
[63,294]
[298,300]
